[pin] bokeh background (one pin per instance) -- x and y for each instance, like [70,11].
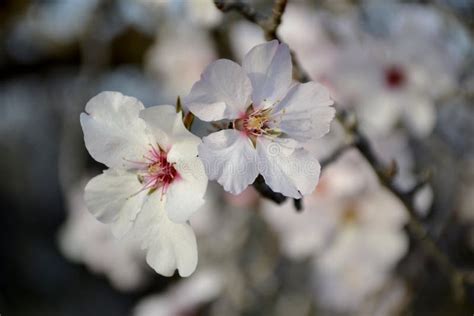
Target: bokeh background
[405,68]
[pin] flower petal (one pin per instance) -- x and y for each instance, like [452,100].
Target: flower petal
[223,92]
[185,195]
[269,68]
[170,245]
[168,128]
[112,198]
[305,112]
[113,132]
[230,158]
[293,173]
[419,116]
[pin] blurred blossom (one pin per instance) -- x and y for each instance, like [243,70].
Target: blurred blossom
[130,80]
[389,300]
[352,228]
[82,239]
[183,298]
[394,148]
[173,64]
[390,78]
[423,200]
[221,228]
[139,15]
[322,148]
[313,47]
[243,36]
[48,24]
[198,12]
[202,12]
[247,198]
[305,233]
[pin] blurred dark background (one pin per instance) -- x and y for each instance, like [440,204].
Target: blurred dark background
[57,54]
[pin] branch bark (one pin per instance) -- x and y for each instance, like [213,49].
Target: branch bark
[385,173]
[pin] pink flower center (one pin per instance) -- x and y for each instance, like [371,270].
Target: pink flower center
[394,77]
[158,172]
[254,123]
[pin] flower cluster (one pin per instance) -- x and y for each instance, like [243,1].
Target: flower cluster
[352,230]
[155,181]
[271,119]
[158,170]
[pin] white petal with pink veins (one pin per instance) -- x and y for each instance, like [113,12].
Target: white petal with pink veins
[292,173]
[112,196]
[168,128]
[269,68]
[223,92]
[113,133]
[230,158]
[169,245]
[185,195]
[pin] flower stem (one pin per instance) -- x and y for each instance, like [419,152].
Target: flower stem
[385,174]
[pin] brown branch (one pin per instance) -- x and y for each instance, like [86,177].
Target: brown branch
[384,173]
[335,155]
[243,8]
[274,20]
[385,176]
[269,25]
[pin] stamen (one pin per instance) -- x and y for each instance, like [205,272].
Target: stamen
[156,172]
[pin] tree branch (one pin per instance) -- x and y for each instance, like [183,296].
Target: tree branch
[274,20]
[385,173]
[243,8]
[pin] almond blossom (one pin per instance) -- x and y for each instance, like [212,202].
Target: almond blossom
[271,119]
[388,79]
[82,239]
[155,181]
[183,298]
[352,229]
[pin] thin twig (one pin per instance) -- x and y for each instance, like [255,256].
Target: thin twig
[262,188]
[385,173]
[274,20]
[335,155]
[243,8]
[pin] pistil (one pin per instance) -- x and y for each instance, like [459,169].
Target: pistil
[158,172]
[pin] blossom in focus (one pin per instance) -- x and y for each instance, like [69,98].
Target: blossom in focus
[155,181]
[313,47]
[271,120]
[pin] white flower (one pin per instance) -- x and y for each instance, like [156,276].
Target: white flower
[313,47]
[351,227]
[155,181]
[201,13]
[272,119]
[184,297]
[389,79]
[82,239]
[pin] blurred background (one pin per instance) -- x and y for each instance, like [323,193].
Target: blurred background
[405,68]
